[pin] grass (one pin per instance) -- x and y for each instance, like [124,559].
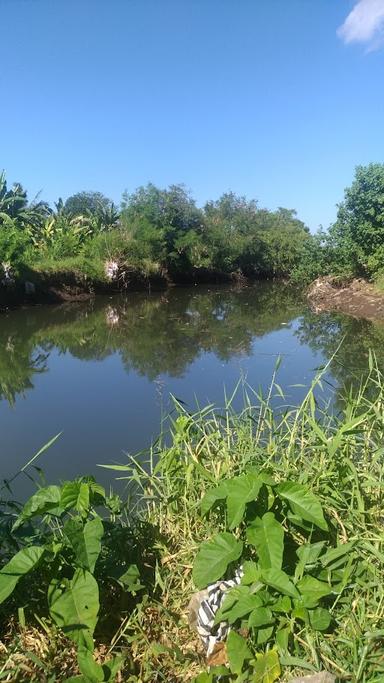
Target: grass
[339,455]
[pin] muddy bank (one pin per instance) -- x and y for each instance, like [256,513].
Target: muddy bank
[71,286]
[357,298]
[68,286]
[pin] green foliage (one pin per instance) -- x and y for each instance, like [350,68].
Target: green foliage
[294,495]
[163,231]
[285,582]
[84,203]
[158,232]
[72,561]
[15,244]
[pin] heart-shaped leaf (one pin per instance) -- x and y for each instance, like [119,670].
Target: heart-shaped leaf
[267,535]
[280,581]
[238,652]
[302,503]
[21,563]
[214,557]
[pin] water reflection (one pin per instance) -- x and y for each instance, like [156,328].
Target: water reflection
[351,338]
[102,372]
[154,335]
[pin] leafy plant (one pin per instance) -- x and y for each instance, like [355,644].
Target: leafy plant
[69,537]
[293,568]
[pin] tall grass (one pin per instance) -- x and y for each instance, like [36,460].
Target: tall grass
[338,454]
[336,451]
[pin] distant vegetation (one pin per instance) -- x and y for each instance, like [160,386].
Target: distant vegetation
[154,232]
[354,244]
[163,233]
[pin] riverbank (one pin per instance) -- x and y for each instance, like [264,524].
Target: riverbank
[77,282]
[356,297]
[225,487]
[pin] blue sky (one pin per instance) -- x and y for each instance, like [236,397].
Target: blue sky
[275,99]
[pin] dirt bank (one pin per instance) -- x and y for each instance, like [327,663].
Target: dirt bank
[356,297]
[70,285]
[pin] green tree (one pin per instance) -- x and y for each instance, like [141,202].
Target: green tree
[84,203]
[15,210]
[173,213]
[358,234]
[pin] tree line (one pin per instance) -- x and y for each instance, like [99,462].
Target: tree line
[158,231]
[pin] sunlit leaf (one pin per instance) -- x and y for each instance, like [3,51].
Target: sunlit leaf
[280,581]
[312,590]
[20,564]
[75,607]
[238,652]
[214,557]
[319,618]
[266,668]
[45,500]
[267,535]
[86,541]
[303,503]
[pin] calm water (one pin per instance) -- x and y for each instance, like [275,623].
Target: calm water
[102,372]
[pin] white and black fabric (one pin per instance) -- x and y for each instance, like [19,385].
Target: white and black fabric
[209,632]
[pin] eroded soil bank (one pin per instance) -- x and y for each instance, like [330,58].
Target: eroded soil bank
[71,286]
[356,297]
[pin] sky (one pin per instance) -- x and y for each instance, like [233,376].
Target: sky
[277,100]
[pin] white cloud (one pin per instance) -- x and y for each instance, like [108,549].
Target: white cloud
[365,24]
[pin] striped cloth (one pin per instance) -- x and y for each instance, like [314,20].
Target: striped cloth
[209,632]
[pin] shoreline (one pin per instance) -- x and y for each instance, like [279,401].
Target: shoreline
[356,297]
[73,287]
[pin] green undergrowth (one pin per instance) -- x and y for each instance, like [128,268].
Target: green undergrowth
[293,494]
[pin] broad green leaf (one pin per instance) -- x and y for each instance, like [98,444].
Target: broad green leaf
[282,604]
[312,590]
[214,557]
[213,675]
[264,634]
[86,541]
[97,490]
[76,495]
[261,616]
[21,563]
[303,503]
[89,668]
[238,603]
[238,652]
[112,667]
[282,638]
[75,607]
[212,496]
[319,619]
[280,581]
[300,612]
[267,535]
[240,491]
[43,501]
[308,555]
[266,668]
[204,677]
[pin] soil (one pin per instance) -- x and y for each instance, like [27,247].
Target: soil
[357,298]
[66,286]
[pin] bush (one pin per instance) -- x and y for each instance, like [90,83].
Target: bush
[15,245]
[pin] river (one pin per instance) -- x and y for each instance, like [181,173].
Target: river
[103,372]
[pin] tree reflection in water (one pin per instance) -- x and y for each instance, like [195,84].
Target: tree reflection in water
[164,333]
